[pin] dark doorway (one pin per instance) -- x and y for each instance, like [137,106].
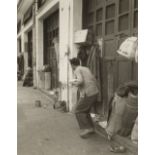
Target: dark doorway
[30,51]
[51,31]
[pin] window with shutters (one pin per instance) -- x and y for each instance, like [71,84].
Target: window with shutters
[93,12]
[110,18]
[135,23]
[99,18]
[123,13]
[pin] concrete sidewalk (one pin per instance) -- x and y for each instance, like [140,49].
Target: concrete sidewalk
[44,131]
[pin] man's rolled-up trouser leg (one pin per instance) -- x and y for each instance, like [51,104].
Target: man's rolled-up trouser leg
[82,111]
[84,120]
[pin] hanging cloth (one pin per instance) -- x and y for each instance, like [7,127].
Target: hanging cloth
[82,55]
[94,64]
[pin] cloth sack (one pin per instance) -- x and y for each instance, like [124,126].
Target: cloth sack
[123,114]
[115,121]
[130,115]
[128,48]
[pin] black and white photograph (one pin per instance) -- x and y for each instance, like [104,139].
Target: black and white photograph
[77,77]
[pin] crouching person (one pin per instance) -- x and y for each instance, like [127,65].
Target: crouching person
[87,86]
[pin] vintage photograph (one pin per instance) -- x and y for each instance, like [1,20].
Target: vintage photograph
[77,77]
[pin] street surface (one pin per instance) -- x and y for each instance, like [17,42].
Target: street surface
[45,131]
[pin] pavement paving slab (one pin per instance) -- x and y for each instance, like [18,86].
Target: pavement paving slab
[45,131]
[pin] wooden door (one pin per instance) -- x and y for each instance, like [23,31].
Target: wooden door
[113,21]
[109,50]
[134,31]
[127,25]
[123,30]
[118,26]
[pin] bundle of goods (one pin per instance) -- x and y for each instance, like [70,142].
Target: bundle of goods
[129,48]
[123,110]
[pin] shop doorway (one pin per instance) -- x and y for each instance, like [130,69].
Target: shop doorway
[51,32]
[30,49]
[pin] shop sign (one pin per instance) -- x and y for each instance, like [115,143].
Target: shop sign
[82,36]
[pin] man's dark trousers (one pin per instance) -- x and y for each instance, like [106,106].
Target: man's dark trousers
[82,111]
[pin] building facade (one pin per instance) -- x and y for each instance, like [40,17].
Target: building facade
[46,36]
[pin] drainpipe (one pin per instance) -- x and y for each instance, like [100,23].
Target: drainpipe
[35,9]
